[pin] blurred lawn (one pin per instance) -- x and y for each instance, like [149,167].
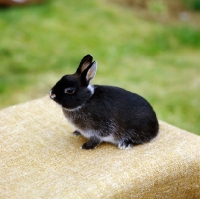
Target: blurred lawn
[39,44]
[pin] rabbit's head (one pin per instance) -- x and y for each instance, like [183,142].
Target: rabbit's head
[72,91]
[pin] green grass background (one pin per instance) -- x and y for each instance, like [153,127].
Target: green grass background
[41,43]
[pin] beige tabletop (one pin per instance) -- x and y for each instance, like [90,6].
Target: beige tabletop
[39,158]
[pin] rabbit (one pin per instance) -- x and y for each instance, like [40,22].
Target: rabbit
[104,113]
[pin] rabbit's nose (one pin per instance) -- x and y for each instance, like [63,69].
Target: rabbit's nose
[52,96]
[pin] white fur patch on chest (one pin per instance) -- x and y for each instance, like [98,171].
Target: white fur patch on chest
[86,131]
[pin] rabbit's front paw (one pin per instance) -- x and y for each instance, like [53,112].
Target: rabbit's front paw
[92,143]
[76,133]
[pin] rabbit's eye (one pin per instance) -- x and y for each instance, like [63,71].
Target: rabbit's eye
[69,90]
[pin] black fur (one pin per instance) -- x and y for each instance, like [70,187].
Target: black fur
[104,113]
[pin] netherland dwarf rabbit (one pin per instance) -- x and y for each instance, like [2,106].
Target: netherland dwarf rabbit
[104,113]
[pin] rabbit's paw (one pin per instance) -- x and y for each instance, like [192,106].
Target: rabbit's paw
[92,143]
[125,144]
[76,133]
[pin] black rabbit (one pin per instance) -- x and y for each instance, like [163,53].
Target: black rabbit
[104,113]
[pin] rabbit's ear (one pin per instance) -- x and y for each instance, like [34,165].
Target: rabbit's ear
[89,73]
[85,62]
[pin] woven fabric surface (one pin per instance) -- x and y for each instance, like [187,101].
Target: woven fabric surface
[39,158]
